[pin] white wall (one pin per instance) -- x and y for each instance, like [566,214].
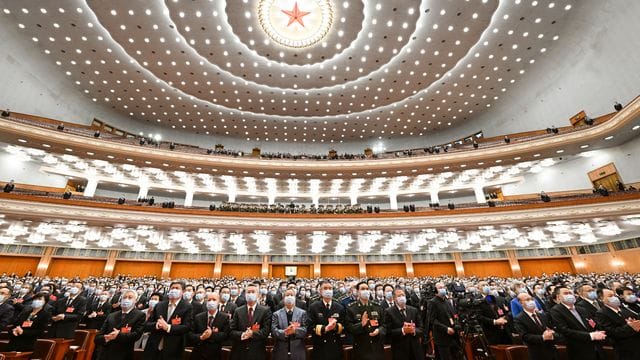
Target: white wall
[26,172]
[571,173]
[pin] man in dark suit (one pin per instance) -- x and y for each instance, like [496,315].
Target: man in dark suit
[225,305]
[168,325]
[98,311]
[583,340]
[365,322]
[441,315]
[325,323]
[388,297]
[621,325]
[250,328]
[121,330]
[6,309]
[236,297]
[493,317]
[209,330]
[404,327]
[536,331]
[629,300]
[67,313]
[588,300]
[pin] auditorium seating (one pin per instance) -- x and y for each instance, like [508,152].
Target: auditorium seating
[44,350]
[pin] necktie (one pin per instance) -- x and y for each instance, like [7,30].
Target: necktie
[210,323]
[250,316]
[289,317]
[69,301]
[172,308]
[404,314]
[327,305]
[536,319]
[575,314]
[596,305]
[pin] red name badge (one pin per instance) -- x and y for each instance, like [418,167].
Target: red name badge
[125,329]
[27,324]
[100,313]
[255,327]
[69,309]
[592,323]
[373,322]
[215,330]
[176,321]
[500,312]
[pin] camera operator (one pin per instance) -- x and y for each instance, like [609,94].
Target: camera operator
[441,314]
[494,317]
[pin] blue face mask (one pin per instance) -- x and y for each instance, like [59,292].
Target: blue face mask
[327,294]
[614,301]
[225,297]
[592,295]
[251,297]
[126,304]
[442,292]
[631,299]
[388,295]
[569,299]
[37,304]
[486,290]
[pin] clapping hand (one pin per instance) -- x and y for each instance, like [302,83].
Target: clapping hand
[112,335]
[206,334]
[331,325]
[365,319]
[161,324]
[547,335]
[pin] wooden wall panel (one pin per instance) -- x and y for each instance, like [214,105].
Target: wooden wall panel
[385,270]
[304,271]
[616,262]
[535,267]
[434,269]
[339,271]
[76,267]
[499,268]
[138,268]
[240,271]
[18,264]
[191,270]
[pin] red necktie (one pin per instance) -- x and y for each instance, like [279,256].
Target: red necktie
[250,316]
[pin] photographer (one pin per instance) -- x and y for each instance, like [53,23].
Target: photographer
[441,319]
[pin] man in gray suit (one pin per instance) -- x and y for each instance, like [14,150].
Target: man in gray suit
[289,329]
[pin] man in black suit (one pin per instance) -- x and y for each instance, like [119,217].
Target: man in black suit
[6,309]
[168,325]
[388,297]
[250,328]
[404,327]
[196,306]
[629,300]
[67,313]
[583,340]
[236,297]
[621,325]
[209,330]
[588,300]
[98,311]
[225,305]
[493,317]
[121,330]
[536,330]
[443,327]
[326,324]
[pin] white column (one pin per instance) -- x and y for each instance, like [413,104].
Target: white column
[90,189]
[188,199]
[232,196]
[433,194]
[143,192]
[393,201]
[315,199]
[479,191]
[271,199]
[353,198]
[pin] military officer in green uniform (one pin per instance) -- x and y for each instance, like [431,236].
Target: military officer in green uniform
[365,322]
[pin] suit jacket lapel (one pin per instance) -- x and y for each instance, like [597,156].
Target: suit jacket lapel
[573,318]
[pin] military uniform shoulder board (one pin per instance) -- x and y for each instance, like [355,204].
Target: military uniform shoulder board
[374,302]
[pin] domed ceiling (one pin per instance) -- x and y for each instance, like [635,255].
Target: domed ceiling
[294,70]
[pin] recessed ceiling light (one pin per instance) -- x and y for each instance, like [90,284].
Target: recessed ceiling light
[46,145]
[584,146]
[609,137]
[68,150]
[635,127]
[22,140]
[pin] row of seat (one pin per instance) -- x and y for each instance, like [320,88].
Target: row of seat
[80,348]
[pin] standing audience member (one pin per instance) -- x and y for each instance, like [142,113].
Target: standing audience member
[121,330]
[621,325]
[326,319]
[67,313]
[288,330]
[404,326]
[29,325]
[250,328]
[536,330]
[209,330]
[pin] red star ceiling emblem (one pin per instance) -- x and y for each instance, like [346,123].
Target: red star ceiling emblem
[296,15]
